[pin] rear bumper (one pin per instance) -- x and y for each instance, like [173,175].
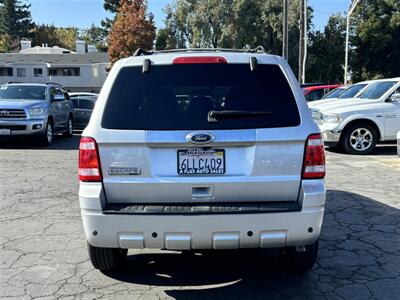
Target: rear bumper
[24,127]
[205,231]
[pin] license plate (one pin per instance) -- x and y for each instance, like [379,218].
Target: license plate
[201,161]
[4,131]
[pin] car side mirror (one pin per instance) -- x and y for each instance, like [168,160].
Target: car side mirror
[395,97]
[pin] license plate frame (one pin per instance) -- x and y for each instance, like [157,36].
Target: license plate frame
[201,153]
[5,131]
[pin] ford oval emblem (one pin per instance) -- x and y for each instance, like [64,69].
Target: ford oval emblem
[200,138]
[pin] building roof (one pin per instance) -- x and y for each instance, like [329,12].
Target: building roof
[46,50]
[62,59]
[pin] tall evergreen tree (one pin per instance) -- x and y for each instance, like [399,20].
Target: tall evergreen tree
[112,7]
[15,19]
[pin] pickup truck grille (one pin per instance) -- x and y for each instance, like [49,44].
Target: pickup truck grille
[12,114]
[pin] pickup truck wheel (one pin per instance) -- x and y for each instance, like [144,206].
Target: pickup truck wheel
[300,261]
[359,138]
[70,128]
[107,259]
[48,136]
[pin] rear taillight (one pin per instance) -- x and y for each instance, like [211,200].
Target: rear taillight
[199,60]
[89,161]
[314,158]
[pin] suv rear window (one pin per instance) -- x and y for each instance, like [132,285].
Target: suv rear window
[179,97]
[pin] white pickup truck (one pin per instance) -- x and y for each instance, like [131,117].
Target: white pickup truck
[358,124]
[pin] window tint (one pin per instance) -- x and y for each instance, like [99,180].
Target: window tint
[315,95]
[60,93]
[333,94]
[377,89]
[179,97]
[352,91]
[85,104]
[75,102]
[22,92]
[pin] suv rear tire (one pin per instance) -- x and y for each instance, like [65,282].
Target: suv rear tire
[300,261]
[107,259]
[359,138]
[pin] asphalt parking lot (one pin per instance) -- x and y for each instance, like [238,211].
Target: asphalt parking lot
[43,248]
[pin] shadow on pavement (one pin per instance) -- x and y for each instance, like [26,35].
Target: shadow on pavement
[30,143]
[359,257]
[382,149]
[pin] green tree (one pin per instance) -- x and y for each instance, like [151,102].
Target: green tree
[97,36]
[327,49]
[67,37]
[164,40]
[112,7]
[53,36]
[7,43]
[15,19]
[375,42]
[233,24]
[45,34]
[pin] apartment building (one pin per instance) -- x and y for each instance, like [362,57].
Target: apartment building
[78,71]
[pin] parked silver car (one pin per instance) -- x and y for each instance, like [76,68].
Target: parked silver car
[83,107]
[37,109]
[238,164]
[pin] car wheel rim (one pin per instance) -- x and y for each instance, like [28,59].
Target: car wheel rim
[361,139]
[70,127]
[49,133]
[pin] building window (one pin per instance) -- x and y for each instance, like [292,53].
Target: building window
[52,72]
[21,72]
[68,72]
[38,72]
[6,72]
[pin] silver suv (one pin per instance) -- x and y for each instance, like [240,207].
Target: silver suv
[201,149]
[35,109]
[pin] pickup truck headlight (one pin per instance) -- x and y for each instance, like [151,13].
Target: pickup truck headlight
[36,112]
[331,118]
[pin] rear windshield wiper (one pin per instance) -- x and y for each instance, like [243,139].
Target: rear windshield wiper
[215,115]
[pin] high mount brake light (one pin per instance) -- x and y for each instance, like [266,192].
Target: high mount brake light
[314,158]
[89,161]
[199,60]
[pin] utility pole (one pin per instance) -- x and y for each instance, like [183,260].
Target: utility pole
[301,42]
[285,39]
[305,42]
[346,59]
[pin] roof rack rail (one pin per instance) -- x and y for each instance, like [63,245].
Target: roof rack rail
[30,82]
[140,52]
[258,49]
[54,83]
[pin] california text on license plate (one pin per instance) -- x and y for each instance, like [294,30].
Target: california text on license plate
[201,161]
